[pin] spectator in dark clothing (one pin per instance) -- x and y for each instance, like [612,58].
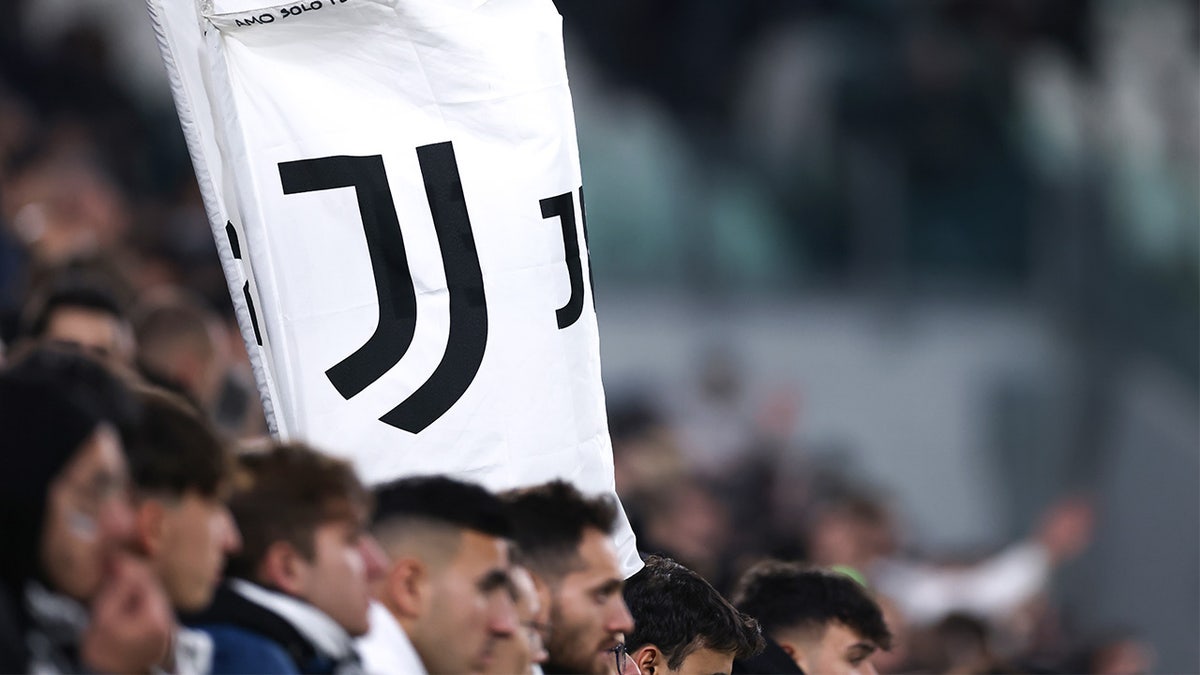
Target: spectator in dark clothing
[74,598]
[297,592]
[814,621]
[682,624]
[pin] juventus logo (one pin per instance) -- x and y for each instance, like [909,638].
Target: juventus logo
[394,287]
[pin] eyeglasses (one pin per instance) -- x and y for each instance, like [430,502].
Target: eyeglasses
[620,655]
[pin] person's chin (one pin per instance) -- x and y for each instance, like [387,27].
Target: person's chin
[603,662]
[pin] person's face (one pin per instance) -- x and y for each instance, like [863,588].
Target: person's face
[195,535]
[839,651]
[471,609]
[345,562]
[89,518]
[93,331]
[518,652]
[588,614]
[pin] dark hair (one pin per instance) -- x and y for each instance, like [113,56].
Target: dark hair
[177,450]
[86,382]
[442,499]
[51,400]
[70,291]
[290,490]
[784,595]
[549,522]
[677,611]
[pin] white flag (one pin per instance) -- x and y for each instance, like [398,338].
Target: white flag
[394,188]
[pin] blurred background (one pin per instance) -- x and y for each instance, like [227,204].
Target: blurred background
[907,286]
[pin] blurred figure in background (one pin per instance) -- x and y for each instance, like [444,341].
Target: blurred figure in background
[854,530]
[72,598]
[996,587]
[683,519]
[521,652]
[182,475]
[682,626]
[447,594]
[298,591]
[81,310]
[181,346]
[60,204]
[1119,653]
[814,621]
[563,539]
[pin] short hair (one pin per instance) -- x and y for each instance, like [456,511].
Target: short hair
[70,291]
[443,500]
[549,522]
[170,320]
[177,451]
[676,610]
[288,492]
[785,595]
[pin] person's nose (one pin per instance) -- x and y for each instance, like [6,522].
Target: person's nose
[116,519]
[374,560]
[619,618]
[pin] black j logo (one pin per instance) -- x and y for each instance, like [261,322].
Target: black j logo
[393,280]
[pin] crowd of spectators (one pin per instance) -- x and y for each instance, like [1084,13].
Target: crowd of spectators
[150,527]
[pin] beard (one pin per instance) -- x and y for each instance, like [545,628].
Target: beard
[573,647]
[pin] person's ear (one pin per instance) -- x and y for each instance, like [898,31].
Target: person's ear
[793,651]
[149,524]
[647,658]
[284,568]
[406,587]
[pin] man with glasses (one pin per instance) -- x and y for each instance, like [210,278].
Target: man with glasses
[563,539]
[447,595]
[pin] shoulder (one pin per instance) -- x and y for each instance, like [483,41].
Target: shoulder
[237,650]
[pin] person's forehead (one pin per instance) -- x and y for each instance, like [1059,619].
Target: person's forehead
[523,581]
[840,636]
[526,592]
[597,558]
[99,453]
[481,551]
[69,317]
[195,502]
[340,522]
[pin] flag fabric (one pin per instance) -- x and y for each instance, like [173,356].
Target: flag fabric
[395,193]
